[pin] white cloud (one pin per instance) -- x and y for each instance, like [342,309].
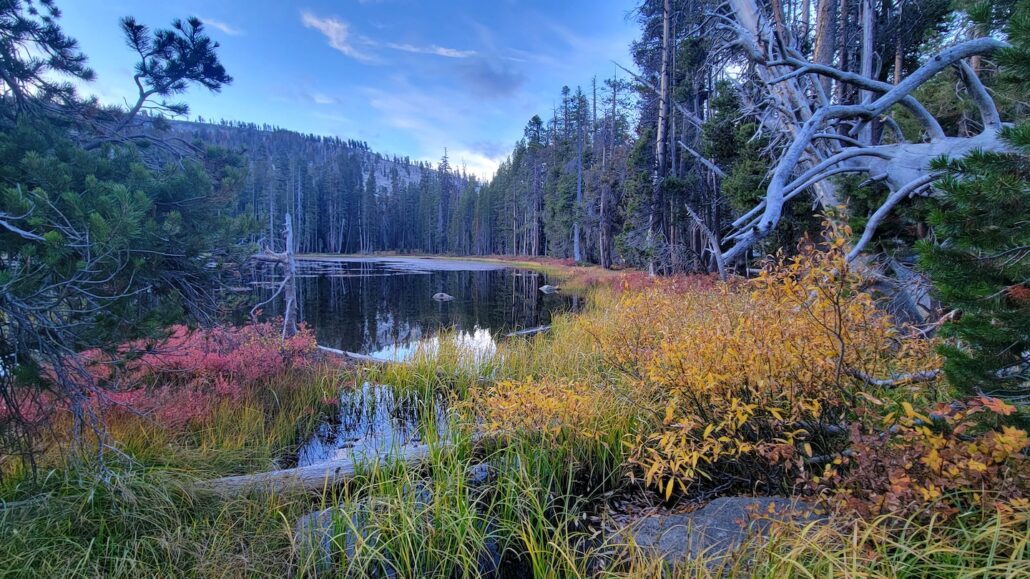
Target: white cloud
[336,31]
[435,122]
[432,49]
[322,99]
[482,166]
[224,27]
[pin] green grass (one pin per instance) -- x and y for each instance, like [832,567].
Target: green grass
[145,516]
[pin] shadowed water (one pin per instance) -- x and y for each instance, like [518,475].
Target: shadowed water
[384,307]
[370,423]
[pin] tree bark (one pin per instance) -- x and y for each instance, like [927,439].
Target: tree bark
[825,38]
[314,477]
[868,32]
[654,219]
[290,281]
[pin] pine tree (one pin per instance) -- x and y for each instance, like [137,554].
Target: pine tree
[980,262]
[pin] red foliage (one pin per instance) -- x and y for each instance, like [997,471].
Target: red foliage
[184,377]
[677,284]
[192,372]
[939,464]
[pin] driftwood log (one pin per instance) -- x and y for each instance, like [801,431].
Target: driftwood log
[313,477]
[357,357]
[528,331]
[288,287]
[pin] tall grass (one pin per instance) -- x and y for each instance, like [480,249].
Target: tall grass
[529,517]
[141,516]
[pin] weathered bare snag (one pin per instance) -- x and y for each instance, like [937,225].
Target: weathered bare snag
[832,139]
[314,477]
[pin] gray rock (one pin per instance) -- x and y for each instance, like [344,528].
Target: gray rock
[716,528]
[478,474]
[330,537]
[549,289]
[326,538]
[442,297]
[314,534]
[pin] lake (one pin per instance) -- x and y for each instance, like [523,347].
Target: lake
[384,306]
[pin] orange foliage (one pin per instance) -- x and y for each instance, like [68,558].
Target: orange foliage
[545,408]
[940,464]
[747,374]
[758,384]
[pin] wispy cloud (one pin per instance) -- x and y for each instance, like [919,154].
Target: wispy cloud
[434,121]
[322,99]
[337,32]
[222,26]
[431,49]
[340,37]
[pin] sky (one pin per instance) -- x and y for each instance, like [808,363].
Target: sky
[409,77]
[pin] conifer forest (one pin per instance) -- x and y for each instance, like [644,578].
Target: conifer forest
[630,288]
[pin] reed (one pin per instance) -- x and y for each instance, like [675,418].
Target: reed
[552,418]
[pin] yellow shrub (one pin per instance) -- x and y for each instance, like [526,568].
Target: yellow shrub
[547,408]
[748,374]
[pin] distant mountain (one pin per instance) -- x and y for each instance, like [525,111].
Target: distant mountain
[342,196]
[256,140]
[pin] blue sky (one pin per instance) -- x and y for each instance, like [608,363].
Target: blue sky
[409,77]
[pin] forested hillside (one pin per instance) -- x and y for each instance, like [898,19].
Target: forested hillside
[787,335]
[343,197]
[666,163]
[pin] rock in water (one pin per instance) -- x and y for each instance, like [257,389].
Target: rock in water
[442,297]
[328,539]
[549,289]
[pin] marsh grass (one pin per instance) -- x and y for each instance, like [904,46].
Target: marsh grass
[140,515]
[530,516]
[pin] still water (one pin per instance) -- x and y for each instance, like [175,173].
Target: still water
[384,307]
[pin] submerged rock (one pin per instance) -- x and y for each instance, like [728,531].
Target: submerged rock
[326,540]
[716,528]
[549,289]
[314,536]
[442,297]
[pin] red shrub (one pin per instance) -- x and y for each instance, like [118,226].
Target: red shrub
[943,464]
[182,378]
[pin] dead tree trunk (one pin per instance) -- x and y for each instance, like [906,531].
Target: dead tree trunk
[654,218]
[808,162]
[288,286]
[868,30]
[825,40]
[290,282]
[313,477]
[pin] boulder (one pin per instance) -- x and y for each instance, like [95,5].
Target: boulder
[315,533]
[330,537]
[442,297]
[718,527]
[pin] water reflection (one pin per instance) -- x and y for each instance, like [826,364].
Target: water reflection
[371,423]
[384,307]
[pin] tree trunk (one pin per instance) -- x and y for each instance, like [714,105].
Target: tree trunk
[290,287]
[868,31]
[825,38]
[577,252]
[314,477]
[654,219]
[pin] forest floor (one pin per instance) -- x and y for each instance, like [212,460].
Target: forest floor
[599,449]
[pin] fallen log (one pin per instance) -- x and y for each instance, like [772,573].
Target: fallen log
[528,331]
[357,357]
[897,379]
[313,477]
